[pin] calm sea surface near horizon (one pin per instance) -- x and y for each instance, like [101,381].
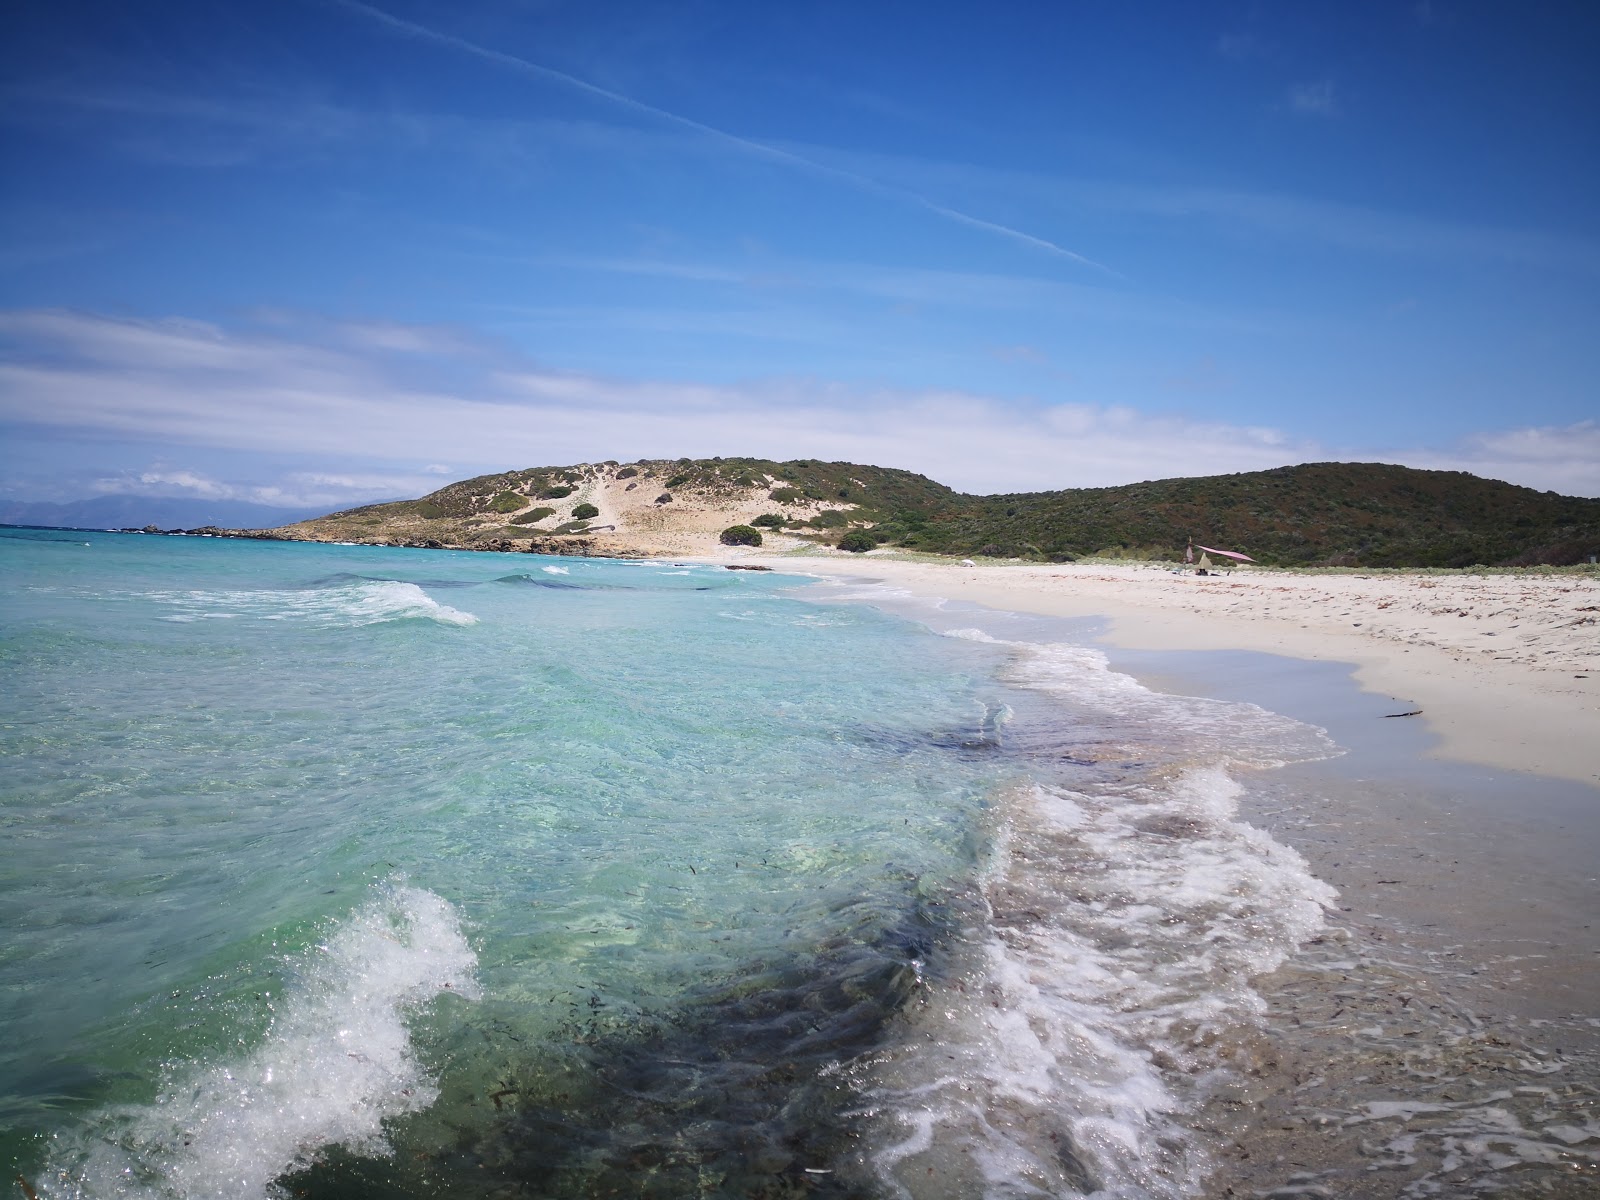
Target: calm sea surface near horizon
[345,871]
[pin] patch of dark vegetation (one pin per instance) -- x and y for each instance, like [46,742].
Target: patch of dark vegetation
[1316,514]
[585,512]
[768,521]
[627,472]
[740,535]
[558,491]
[857,541]
[533,516]
[507,502]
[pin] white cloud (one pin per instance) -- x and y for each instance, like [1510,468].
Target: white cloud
[296,489]
[1564,459]
[187,384]
[188,483]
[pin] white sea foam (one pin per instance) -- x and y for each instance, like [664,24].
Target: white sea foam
[368,602]
[1135,716]
[555,570]
[1085,1017]
[336,1062]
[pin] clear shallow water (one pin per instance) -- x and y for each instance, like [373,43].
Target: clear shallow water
[360,872]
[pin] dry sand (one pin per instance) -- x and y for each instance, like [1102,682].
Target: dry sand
[1504,668]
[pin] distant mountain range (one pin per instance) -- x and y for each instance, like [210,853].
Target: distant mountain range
[1336,514]
[135,512]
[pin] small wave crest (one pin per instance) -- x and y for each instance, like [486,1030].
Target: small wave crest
[1061,1055]
[368,602]
[336,1062]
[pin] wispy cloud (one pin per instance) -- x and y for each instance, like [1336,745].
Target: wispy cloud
[1307,219]
[293,489]
[744,145]
[182,384]
[932,288]
[1314,99]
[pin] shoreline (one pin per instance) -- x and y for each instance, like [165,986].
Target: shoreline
[1452,985]
[1528,700]
[1423,641]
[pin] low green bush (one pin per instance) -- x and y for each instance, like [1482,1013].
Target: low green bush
[584,511]
[558,492]
[627,472]
[769,521]
[741,535]
[533,515]
[830,518]
[507,502]
[857,541]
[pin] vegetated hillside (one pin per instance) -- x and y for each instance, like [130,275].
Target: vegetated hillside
[1338,514]
[650,506]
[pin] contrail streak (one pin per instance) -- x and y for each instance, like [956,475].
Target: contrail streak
[759,149]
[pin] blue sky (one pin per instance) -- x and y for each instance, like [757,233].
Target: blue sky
[317,252]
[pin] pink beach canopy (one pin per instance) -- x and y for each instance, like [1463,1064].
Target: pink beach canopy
[1226,553]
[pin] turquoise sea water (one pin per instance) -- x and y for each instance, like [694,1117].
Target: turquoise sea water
[346,871]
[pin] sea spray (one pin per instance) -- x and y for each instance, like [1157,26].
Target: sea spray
[336,1063]
[1068,1036]
[1078,1021]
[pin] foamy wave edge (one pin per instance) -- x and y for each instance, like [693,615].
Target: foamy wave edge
[336,1062]
[368,603]
[1105,993]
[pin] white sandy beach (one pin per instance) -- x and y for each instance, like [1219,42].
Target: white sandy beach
[1504,668]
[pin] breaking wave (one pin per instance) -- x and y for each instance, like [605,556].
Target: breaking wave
[336,1062]
[369,602]
[1086,1011]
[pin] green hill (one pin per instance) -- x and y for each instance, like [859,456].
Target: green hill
[1315,514]
[1334,514]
